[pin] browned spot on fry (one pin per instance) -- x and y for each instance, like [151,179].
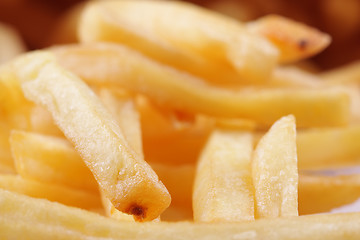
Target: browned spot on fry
[139,212]
[302,44]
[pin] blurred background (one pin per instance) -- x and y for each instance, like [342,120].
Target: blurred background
[42,23]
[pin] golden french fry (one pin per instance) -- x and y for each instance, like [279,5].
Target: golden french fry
[58,193]
[105,64]
[50,159]
[323,193]
[295,40]
[328,147]
[39,218]
[274,171]
[11,43]
[223,189]
[215,47]
[17,229]
[126,179]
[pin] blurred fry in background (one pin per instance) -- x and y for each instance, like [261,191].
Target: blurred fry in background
[42,23]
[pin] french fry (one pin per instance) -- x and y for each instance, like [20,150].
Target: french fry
[38,218]
[215,48]
[121,105]
[17,229]
[328,147]
[129,182]
[105,64]
[319,194]
[295,40]
[274,171]
[65,195]
[223,189]
[50,159]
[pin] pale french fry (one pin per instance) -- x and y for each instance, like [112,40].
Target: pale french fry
[347,74]
[323,193]
[11,44]
[122,106]
[50,159]
[328,147]
[129,182]
[39,218]
[215,47]
[105,64]
[274,171]
[295,40]
[52,192]
[223,189]
[17,229]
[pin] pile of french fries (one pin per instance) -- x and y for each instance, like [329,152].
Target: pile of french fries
[169,121]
